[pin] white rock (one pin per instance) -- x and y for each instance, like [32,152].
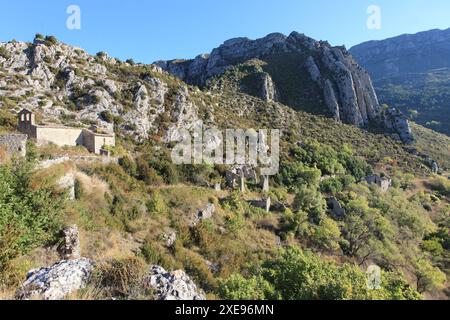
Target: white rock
[57,281]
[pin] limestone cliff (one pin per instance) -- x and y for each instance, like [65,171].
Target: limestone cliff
[346,90]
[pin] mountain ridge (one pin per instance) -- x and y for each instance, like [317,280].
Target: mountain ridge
[346,90]
[412,72]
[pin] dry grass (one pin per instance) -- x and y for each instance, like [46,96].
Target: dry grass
[92,185]
[6,294]
[4,157]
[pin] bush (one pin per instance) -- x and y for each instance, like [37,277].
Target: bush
[107,116]
[156,205]
[51,40]
[128,165]
[8,121]
[238,287]
[441,185]
[4,53]
[28,218]
[122,278]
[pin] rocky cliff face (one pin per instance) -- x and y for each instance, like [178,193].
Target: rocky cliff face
[346,89]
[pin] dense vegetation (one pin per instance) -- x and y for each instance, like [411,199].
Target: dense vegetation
[424,97]
[404,231]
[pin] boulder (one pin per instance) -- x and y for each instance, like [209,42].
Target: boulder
[57,281]
[174,285]
[170,238]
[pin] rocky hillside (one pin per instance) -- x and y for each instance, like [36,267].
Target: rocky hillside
[412,72]
[65,84]
[345,197]
[296,70]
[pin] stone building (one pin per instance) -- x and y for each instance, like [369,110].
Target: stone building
[14,144]
[383,182]
[64,136]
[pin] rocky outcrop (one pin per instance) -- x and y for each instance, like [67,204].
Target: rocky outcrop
[347,88]
[268,89]
[398,124]
[57,281]
[65,84]
[174,285]
[204,214]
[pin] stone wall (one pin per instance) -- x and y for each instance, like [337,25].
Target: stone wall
[14,144]
[95,142]
[60,136]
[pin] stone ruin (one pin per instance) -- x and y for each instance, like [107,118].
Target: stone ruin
[383,182]
[265,183]
[236,176]
[70,248]
[14,144]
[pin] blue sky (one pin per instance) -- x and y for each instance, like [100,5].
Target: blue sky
[148,30]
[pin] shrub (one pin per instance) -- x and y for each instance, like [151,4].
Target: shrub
[156,205]
[28,218]
[238,287]
[7,119]
[441,185]
[128,165]
[107,116]
[4,53]
[50,41]
[122,278]
[79,191]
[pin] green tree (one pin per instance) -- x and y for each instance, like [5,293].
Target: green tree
[28,218]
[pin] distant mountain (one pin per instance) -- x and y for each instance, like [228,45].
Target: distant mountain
[412,72]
